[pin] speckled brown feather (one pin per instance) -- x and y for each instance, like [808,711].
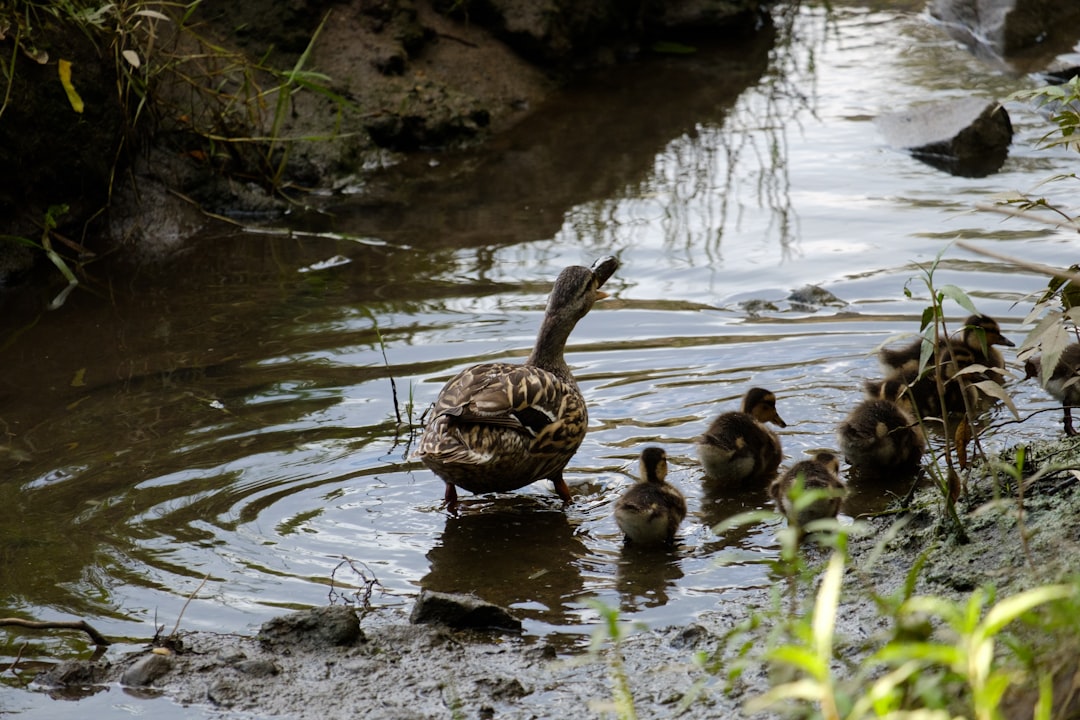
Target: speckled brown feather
[477,439]
[497,427]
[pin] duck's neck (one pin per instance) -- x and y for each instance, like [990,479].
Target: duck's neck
[550,346]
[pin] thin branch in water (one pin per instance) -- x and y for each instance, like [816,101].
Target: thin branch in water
[186,603]
[97,637]
[18,657]
[1026,264]
[363,593]
[1034,217]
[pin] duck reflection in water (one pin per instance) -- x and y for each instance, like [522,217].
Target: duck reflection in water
[720,503]
[644,574]
[515,553]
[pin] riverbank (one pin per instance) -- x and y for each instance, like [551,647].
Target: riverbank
[325,663]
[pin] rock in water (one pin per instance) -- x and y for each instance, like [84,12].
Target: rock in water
[461,611]
[968,137]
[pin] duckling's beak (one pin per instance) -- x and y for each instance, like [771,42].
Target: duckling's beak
[600,295]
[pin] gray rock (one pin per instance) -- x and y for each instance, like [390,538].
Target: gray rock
[996,29]
[330,626]
[146,670]
[461,612]
[968,137]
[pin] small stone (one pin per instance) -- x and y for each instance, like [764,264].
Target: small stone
[461,611]
[224,693]
[258,668]
[330,626]
[146,670]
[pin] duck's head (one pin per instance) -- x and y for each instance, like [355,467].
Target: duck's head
[653,465]
[760,404]
[982,331]
[578,287]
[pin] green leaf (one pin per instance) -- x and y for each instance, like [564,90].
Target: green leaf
[1013,607]
[959,297]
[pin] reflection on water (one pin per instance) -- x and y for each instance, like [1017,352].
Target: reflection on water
[226,429]
[517,554]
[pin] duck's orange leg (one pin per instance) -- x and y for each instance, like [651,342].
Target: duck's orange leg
[562,489]
[450,497]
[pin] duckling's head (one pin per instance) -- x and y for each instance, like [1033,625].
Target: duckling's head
[982,331]
[653,465]
[830,461]
[761,405]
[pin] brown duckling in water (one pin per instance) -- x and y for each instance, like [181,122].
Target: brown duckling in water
[650,511]
[738,448]
[822,472]
[497,427]
[881,439]
[974,346]
[1063,383]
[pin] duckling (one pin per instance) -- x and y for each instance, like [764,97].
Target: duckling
[881,438]
[1063,384]
[975,345]
[738,448]
[650,511]
[822,472]
[952,367]
[497,427]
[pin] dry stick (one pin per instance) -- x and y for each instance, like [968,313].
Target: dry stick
[1037,267]
[1034,217]
[18,657]
[97,637]
[186,603]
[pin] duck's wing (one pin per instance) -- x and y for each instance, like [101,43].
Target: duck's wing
[519,397]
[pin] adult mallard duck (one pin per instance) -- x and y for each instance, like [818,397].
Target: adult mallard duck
[650,511]
[738,448]
[497,427]
[879,438]
[1063,383]
[822,472]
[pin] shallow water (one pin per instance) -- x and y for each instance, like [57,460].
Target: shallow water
[213,441]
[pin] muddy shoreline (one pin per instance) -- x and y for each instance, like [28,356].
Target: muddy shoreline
[331,660]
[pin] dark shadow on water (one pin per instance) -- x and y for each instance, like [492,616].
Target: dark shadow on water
[514,552]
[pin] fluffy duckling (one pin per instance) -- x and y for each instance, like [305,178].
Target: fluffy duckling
[650,511]
[880,438]
[497,427]
[975,344]
[738,448]
[822,472]
[1063,384]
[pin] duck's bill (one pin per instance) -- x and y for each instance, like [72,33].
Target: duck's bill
[604,268]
